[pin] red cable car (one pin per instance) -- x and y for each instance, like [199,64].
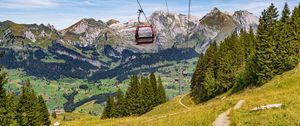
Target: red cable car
[144,34]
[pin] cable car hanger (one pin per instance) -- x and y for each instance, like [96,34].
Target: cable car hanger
[144,34]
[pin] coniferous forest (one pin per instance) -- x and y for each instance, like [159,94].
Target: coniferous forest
[249,59]
[26,109]
[142,96]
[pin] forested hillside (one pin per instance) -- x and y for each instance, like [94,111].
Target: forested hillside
[246,59]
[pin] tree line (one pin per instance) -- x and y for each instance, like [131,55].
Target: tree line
[26,109]
[248,59]
[141,96]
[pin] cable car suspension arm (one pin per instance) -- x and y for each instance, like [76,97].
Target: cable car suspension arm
[142,11]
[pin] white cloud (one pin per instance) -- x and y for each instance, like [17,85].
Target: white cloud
[21,4]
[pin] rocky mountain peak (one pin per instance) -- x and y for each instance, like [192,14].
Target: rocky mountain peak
[217,18]
[242,12]
[51,27]
[246,19]
[215,10]
[112,21]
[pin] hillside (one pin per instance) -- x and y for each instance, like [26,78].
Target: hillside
[282,89]
[103,55]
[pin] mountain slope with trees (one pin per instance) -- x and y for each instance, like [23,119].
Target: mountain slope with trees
[247,59]
[281,89]
[24,109]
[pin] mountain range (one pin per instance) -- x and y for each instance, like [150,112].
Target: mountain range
[94,50]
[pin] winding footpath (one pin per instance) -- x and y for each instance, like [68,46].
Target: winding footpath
[223,118]
[176,113]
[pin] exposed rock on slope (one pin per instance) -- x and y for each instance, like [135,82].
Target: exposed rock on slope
[246,19]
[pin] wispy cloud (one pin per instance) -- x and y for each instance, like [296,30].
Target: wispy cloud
[19,4]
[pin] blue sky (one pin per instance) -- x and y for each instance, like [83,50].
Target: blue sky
[63,13]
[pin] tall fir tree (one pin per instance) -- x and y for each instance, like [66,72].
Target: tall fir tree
[27,112]
[109,108]
[133,96]
[11,106]
[43,114]
[295,21]
[153,83]
[248,77]
[147,95]
[161,92]
[3,98]
[283,39]
[265,46]
[226,62]
[208,61]
[119,107]
[211,86]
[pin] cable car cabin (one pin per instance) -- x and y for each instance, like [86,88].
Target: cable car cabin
[144,34]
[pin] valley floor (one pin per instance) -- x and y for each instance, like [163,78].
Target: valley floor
[283,89]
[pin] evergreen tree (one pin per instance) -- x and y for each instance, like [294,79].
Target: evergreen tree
[283,39]
[147,95]
[211,86]
[248,39]
[43,114]
[153,83]
[206,62]
[295,21]
[230,59]
[109,108]
[27,112]
[119,104]
[3,98]
[11,107]
[285,15]
[265,46]
[132,104]
[248,76]
[161,92]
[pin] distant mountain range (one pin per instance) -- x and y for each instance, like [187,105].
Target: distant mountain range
[94,50]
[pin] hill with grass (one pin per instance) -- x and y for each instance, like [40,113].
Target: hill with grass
[282,89]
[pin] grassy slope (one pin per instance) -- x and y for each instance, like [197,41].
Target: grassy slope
[282,89]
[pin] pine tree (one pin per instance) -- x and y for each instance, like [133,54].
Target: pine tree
[109,108]
[295,21]
[11,107]
[198,77]
[285,15]
[147,95]
[161,92]
[228,62]
[283,39]
[248,76]
[211,86]
[27,112]
[132,104]
[119,104]
[43,114]
[3,98]
[265,46]
[208,61]
[153,83]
